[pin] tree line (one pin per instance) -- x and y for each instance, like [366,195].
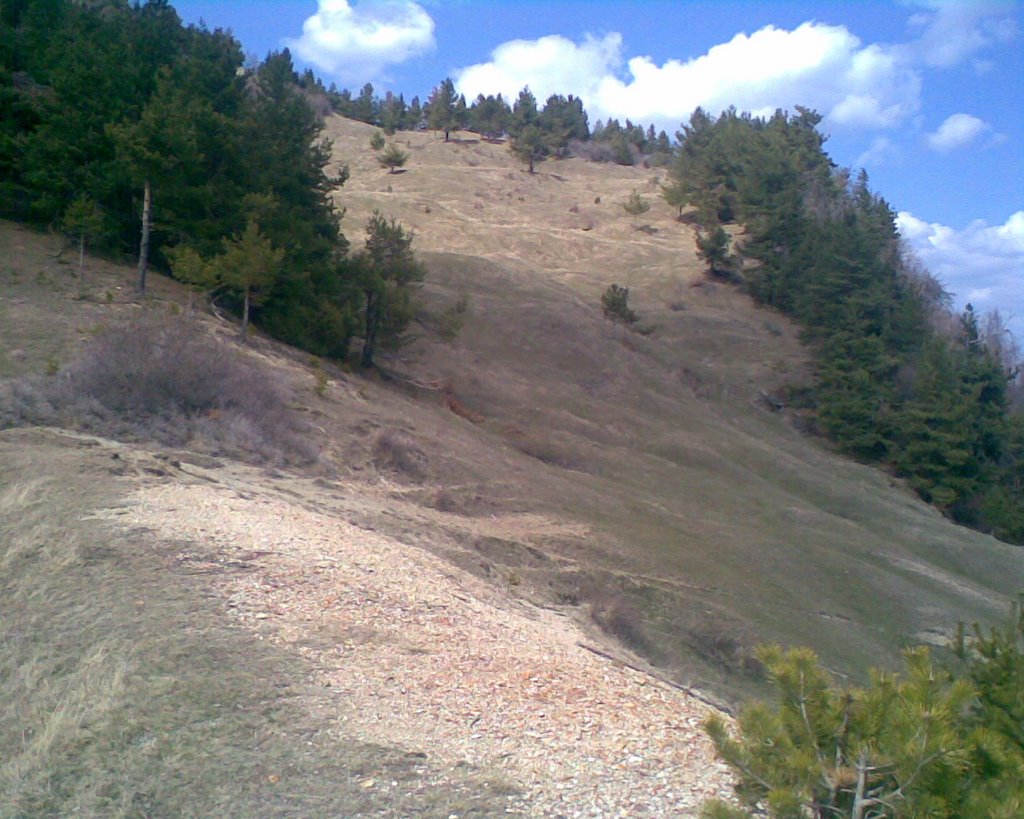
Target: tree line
[148,139]
[555,128]
[901,378]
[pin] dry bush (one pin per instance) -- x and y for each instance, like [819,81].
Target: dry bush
[725,650]
[158,379]
[621,619]
[397,452]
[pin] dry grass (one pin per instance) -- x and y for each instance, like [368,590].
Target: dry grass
[725,523]
[163,379]
[124,693]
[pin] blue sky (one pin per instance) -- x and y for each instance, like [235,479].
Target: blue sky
[926,95]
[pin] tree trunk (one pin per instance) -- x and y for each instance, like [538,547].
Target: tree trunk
[245,315]
[81,255]
[147,204]
[372,323]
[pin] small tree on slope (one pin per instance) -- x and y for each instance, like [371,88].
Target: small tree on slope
[905,746]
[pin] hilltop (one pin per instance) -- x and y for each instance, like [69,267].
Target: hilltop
[520,466]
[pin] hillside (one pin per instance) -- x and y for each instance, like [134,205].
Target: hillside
[712,513]
[570,481]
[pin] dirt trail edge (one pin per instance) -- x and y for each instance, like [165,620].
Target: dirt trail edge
[425,657]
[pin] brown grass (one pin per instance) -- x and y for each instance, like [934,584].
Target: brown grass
[727,520]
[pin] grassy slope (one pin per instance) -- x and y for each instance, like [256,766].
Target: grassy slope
[718,519]
[683,497]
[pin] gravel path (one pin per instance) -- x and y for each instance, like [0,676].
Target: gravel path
[426,657]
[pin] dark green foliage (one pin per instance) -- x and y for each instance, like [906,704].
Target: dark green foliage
[713,248]
[563,120]
[393,157]
[615,305]
[111,102]
[894,385]
[907,745]
[445,113]
[524,113]
[635,205]
[531,147]
[83,221]
[489,116]
[387,273]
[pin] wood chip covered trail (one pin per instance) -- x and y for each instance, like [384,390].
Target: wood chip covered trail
[428,658]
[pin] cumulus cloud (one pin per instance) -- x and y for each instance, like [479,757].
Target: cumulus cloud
[822,66]
[958,131]
[982,263]
[357,42]
[549,65]
[826,67]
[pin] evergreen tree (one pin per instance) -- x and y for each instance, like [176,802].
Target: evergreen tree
[83,220]
[636,206]
[393,157]
[249,265]
[615,306]
[389,272]
[562,121]
[524,114]
[530,146]
[190,268]
[489,116]
[900,747]
[443,112]
[364,107]
[713,248]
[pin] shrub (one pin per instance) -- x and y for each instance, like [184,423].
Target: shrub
[906,745]
[158,379]
[397,452]
[615,305]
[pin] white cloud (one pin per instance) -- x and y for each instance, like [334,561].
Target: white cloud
[549,65]
[953,31]
[957,131]
[356,42]
[825,67]
[821,66]
[982,263]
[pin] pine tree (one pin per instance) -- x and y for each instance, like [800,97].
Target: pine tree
[249,265]
[188,267]
[84,220]
[615,306]
[524,114]
[393,157]
[636,206]
[899,747]
[443,112]
[713,248]
[388,272]
[530,146]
